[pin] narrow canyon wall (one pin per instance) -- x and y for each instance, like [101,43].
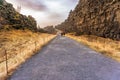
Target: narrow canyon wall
[94,17]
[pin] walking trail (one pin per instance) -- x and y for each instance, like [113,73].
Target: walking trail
[66,59]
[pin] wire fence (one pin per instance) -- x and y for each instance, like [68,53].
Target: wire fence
[7,57]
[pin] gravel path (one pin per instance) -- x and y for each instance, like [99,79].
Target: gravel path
[66,59]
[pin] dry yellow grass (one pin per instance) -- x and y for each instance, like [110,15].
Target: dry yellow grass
[19,45]
[105,46]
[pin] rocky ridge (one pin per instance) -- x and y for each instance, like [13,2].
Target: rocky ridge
[94,17]
[11,19]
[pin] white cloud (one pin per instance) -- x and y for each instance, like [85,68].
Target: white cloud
[46,12]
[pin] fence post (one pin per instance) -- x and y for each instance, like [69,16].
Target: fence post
[35,46]
[46,38]
[6,58]
[43,40]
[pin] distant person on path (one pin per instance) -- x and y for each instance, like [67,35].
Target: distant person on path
[63,34]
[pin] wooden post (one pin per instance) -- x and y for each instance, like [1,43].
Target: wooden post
[35,46]
[6,58]
[43,40]
[46,38]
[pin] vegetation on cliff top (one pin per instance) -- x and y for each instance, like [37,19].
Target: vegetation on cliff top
[11,19]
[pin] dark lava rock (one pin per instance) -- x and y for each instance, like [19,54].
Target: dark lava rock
[94,17]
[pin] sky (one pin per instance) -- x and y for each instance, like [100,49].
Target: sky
[46,12]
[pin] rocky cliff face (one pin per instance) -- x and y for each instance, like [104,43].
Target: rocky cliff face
[94,17]
[50,29]
[11,19]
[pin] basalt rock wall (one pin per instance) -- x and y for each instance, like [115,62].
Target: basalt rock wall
[94,17]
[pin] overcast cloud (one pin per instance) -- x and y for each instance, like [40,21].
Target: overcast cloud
[46,12]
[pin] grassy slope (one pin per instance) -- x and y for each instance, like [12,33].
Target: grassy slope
[105,46]
[19,45]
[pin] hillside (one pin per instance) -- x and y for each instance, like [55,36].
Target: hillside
[11,19]
[19,38]
[94,17]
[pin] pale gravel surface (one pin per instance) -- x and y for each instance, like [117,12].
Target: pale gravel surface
[66,59]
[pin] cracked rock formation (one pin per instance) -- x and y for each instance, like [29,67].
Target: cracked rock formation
[94,17]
